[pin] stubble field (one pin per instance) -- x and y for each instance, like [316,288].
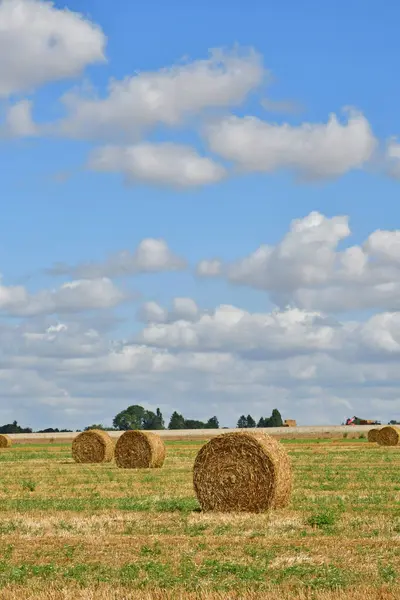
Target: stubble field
[95,531]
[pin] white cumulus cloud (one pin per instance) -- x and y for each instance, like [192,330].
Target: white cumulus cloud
[159,164]
[312,150]
[227,362]
[151,256]
[307,269]
[40,43]
[209,268]
[183,309]
[152,312]
[73,296]
[167,96]
[392,158]
[232,329]
[18,121]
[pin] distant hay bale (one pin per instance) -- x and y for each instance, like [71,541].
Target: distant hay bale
[139,450]
[389,436]
[242,472]
[5,441]
[373,435]
[93,446]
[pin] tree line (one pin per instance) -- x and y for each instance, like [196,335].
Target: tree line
[15,428]
[137,417]
[275,420]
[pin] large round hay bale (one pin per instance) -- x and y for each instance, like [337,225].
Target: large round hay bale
[373,435]
[242,472]
[5,441]
[93,446]
[389,436]
[139,450]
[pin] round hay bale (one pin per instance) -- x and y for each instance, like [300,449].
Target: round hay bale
[389,436]
[242,472]
[93,446]
[373,435]
[5,441]
[139,450]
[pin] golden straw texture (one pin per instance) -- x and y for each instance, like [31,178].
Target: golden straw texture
[389,436]
[5,441]
[93,446]
[242,472]
[139,450]
[373,435]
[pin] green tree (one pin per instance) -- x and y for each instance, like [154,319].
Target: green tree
[212,423]
[149,420]
[160,419]
[177,421]
[276,419]
[14,428]
[152,420]
[48,430]
[130,418]
[136,417]
[250,421]
[101,427]
[194,424]
[242,422]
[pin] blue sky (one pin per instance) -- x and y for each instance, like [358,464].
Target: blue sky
[304,60]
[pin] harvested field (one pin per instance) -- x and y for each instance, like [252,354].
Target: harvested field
[107,592]
[86,531]
[300,432]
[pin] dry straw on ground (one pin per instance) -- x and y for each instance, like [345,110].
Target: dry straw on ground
[139,450]
[93,446]
[105,591]
[5,441]
[242,472]
[389,436]
[373,435]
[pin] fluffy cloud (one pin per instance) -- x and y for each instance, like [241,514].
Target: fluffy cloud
[160,164]
[312,151]
[209,268]
[152,312]
[73,296]
[151,256]
[226,362]
[279,335]
[166,97]
[393,158]
[184,309]
[307,269]
[304,257]
[232,329]
[40,43]
[18,121]
[60,340]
